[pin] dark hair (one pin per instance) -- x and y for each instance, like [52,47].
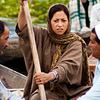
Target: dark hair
[2,23]
[58,7]
[96,38]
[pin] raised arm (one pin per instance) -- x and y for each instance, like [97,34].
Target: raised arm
[21,16]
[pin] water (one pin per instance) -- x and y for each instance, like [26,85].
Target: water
[12,35]
[11,25]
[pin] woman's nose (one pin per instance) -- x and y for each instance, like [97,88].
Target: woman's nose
[59,23]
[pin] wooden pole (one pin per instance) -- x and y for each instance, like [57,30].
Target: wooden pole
[33,47]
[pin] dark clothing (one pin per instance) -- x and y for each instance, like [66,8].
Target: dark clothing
[86,5]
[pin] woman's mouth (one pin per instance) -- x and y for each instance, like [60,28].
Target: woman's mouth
[59,29]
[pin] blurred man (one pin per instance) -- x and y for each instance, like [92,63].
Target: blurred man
[94,92]
[4,35]
[95,15]
[80,11]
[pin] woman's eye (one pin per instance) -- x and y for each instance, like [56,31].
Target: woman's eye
[63,20]
[55,20]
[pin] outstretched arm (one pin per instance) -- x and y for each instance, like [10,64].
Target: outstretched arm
[21,16]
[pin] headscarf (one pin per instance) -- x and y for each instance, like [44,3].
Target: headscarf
[59,39]
[63,41]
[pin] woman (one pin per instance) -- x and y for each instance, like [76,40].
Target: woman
[62,57]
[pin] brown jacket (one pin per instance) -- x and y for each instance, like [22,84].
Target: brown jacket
[69,66]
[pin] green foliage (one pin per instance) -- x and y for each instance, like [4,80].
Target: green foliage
[38,9]
[9,8]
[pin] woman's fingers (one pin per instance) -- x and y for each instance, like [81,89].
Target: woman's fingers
[41,78]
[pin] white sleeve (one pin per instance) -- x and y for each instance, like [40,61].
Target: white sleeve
[93,93]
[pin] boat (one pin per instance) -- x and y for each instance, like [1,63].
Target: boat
[11,78]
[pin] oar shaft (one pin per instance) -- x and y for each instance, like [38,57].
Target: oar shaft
[33,47]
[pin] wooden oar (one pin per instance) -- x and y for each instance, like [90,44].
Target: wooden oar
[33,47]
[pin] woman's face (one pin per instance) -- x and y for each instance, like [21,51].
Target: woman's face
[59,22]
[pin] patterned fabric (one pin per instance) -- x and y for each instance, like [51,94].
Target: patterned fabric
[77,12]
[63,41]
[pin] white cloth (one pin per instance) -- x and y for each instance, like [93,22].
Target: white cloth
[94,92]
[97,29]
[7,95]
[95,15]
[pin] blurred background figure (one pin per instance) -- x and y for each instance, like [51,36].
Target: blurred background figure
[80,11]
[94,92]
[95,15]
[4,35]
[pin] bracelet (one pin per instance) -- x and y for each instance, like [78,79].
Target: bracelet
[56,76]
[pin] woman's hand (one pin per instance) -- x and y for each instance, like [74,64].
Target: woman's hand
[42,78]
[21,1]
